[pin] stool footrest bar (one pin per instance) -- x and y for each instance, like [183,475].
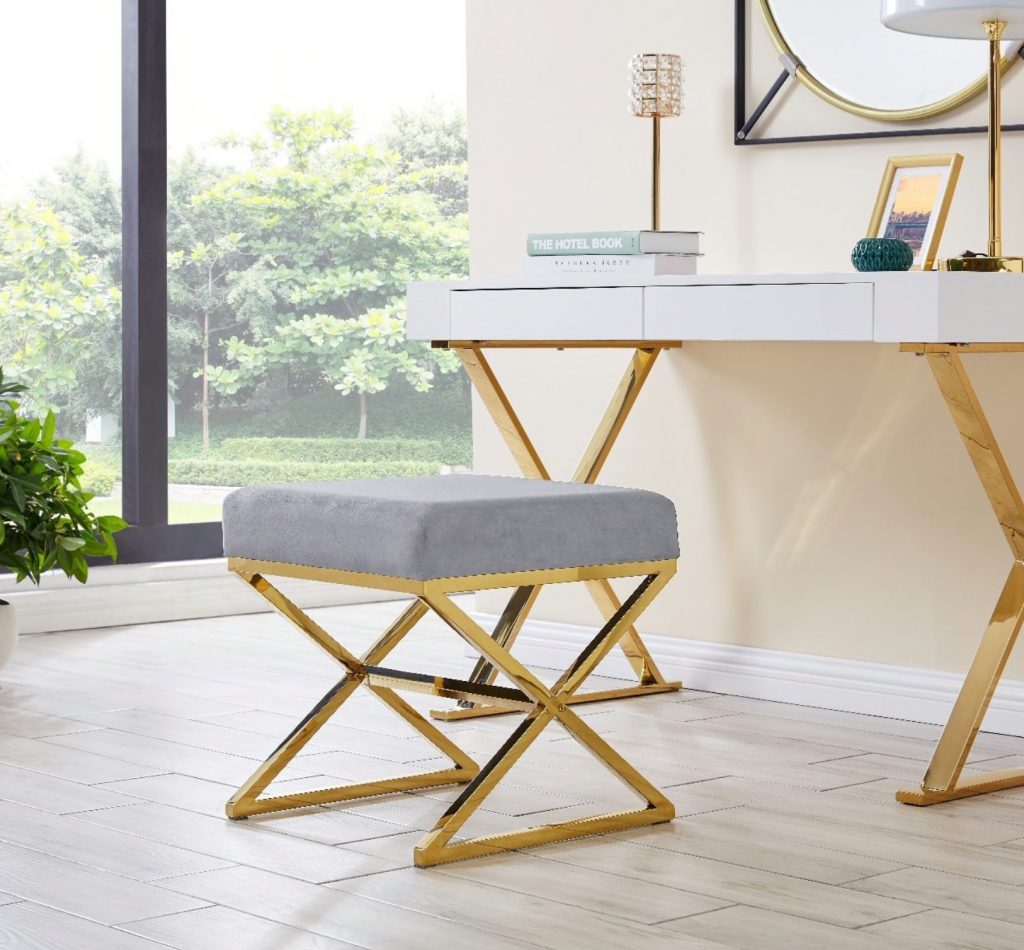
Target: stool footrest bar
[344,793]
[596,696]
[449,688]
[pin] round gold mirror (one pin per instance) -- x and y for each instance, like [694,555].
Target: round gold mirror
[847,57]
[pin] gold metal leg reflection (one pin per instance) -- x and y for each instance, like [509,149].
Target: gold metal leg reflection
[943,780]
[478,368]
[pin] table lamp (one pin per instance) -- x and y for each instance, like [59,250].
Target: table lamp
[972,19]
[656,90]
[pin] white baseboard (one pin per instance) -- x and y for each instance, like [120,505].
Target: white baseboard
[122,594]
[875,689]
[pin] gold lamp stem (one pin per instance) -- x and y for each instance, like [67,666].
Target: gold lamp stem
[656,175]
[994,29]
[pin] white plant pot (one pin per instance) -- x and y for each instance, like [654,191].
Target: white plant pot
[8,632]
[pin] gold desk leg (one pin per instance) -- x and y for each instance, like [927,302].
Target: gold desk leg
[484,380]
[942,781]
[551,705]
[247,801]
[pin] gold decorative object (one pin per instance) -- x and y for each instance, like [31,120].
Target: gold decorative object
[944,779]
[973,19]
[909,185]
[656,92]
[543,705]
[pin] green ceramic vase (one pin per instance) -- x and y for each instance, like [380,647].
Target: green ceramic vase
[873,254]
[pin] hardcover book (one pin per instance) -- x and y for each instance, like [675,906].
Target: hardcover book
[626,265]
[613,242]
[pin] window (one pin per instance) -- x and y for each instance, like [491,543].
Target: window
[317,162]
[60,224]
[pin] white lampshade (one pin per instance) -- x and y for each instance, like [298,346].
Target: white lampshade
[955,19]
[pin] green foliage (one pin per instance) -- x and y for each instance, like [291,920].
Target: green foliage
[356,354]
[44,519]
[295,234]
[59,314]
[210,471]
[340,450]
[432,153]
[87,200]
[97,478]
[333,230]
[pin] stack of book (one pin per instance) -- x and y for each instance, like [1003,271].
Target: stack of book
[612,253]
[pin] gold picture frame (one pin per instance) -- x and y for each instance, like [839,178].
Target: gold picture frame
[913,202]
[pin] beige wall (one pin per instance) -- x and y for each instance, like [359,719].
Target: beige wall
[825,503]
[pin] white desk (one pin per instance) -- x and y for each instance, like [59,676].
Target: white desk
[928,307]
[936,315]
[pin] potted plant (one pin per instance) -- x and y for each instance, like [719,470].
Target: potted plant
[44,519]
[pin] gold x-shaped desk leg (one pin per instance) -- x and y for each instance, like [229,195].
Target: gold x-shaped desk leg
[478,368]
[942,782]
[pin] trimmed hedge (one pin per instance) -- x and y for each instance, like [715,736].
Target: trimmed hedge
[237,473]
[98,478]
[342,450]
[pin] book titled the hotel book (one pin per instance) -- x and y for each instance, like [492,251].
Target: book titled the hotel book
[613,242]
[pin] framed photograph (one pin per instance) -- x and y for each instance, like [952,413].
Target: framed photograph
[913,202]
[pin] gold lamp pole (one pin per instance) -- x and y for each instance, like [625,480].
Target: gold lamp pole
[656,92]
[995,260]
[994,29]
[996,20]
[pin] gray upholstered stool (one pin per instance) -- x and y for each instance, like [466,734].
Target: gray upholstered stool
[432,537]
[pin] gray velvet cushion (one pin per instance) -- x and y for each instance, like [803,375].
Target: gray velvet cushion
[448,525]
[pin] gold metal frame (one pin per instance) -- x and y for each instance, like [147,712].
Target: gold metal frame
[543,705]
[478,368]
[954,160]
[942,781]
[847,105]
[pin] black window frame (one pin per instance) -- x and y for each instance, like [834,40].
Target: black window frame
[144,317]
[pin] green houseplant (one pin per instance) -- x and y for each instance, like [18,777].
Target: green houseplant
[45,522]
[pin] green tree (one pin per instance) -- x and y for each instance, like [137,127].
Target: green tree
[356,355]
[288,228]
[334,229]
[432,152]
[211,287]
[59,316]
[87,200]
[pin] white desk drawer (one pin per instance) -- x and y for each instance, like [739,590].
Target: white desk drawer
[586,313]
[760,312]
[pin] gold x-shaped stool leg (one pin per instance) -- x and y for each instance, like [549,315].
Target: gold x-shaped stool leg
[528,694]
[551,705]
[246,801]
[484,380]
[942,781]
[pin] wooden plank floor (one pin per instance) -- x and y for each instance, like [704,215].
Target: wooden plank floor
[119,747]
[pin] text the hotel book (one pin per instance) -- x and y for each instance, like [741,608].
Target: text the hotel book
[613,242]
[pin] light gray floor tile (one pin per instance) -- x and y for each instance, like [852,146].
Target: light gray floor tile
[96,847]
[220,928]
[948,930]
[28,926]
[57,795]
[322,910]
[237,842]
[85,892]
